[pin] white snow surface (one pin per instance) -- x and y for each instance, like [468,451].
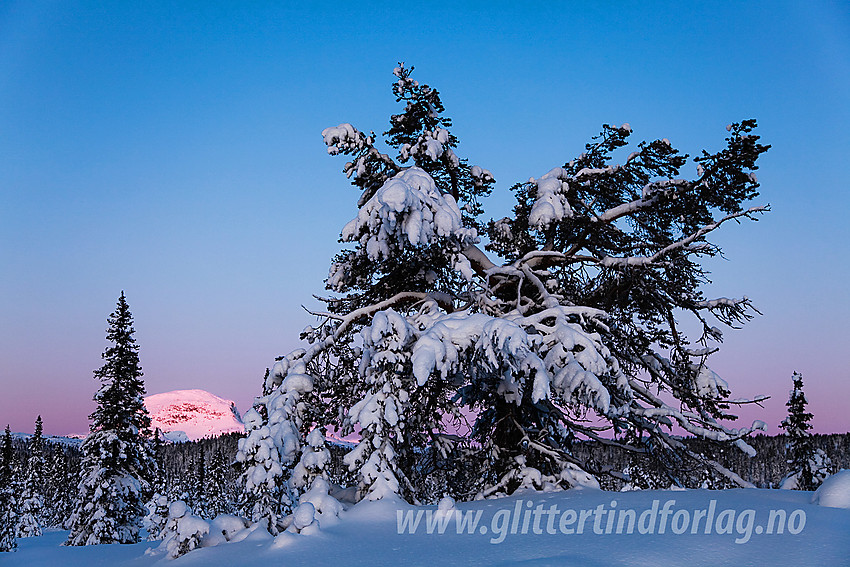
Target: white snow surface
[196,413]
[367,534]
[834,492]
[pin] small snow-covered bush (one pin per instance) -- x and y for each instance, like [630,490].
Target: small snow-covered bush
[816,469]
[183,531]
[327,507]
[303,519]
[226,528]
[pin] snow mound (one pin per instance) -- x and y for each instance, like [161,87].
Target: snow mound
[835,491]
[226,528]
[195,413]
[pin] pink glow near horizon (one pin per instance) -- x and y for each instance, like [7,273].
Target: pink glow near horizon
[175,153]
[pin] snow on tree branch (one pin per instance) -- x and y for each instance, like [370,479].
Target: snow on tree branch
[406,210]
[442,358]
[680,244]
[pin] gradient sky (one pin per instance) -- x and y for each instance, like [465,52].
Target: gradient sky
[173,151]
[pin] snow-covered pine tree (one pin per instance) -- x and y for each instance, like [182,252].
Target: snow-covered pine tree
[808,465]
[431,348]
[314,460]
[158,451]
[118,464]
[157,516]
[32,500]
[7,457]
[197,489]
[8,515]
[270,447]
[216,493]
[62,477]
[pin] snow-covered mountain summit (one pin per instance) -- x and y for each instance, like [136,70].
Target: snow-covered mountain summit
[197,413]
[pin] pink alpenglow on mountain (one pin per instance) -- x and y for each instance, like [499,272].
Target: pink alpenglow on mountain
[197,413]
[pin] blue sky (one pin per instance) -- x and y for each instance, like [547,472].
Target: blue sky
[174,152]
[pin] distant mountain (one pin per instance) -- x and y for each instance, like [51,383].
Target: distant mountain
[74,440]
[192,414]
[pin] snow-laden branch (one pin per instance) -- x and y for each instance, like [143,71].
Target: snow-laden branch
[479,260]
[610,261]
[691,422]
[650,195]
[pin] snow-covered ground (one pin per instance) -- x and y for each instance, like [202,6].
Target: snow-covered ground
[368,534]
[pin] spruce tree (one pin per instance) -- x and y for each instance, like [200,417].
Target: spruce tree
[198,489]
[8,517]
[32,497]
[264,455]
[7,457]
[216,486]
[809,466]
[63,474]
[118,463]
